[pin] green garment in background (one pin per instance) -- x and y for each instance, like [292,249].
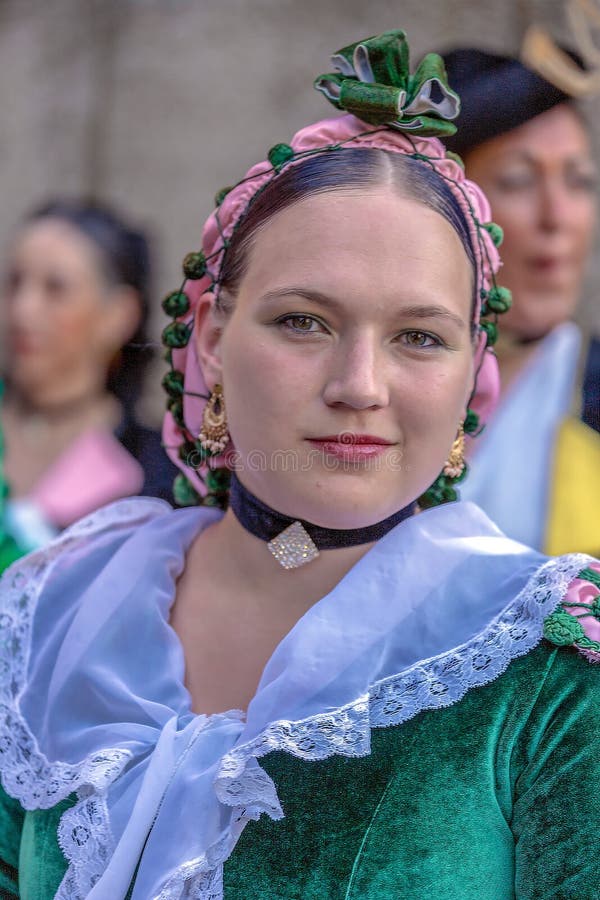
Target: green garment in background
[493,798]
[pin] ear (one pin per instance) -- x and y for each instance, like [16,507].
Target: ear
[208,331]
[120,318]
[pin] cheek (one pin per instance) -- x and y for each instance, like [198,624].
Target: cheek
[431,405]
[585,224]
[262,383]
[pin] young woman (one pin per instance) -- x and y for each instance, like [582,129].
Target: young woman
[75,299]
[194,703]
[525,142]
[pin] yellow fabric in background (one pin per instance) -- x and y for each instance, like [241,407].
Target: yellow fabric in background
[574,503]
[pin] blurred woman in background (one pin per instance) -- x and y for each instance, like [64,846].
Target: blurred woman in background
[525,142]
[76,312]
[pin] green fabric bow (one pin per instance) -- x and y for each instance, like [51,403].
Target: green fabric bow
[373,82]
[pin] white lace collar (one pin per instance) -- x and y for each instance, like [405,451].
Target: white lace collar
[92,681]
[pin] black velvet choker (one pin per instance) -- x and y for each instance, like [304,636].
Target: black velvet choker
[293,542]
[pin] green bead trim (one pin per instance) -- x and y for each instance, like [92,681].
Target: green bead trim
[173,383]
[186,450]
[220,195]
[491,329]
[471,423]
[184,493]
[175,407]
[495,231]
[499,299]
[217,480]
[280,154]
[215,501]
[194,265]
[176,335]
[176,304]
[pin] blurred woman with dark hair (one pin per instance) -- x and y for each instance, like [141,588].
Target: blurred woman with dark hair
[76,311]
[526,143]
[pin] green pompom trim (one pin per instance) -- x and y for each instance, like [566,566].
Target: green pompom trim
[214,500]
[471,423]
[441,491]
[194,265]
[176,304]
[562,629]
[220,195]
[491,330]
[176,335]
[183,492]
[168,356]
[280,154]
[175,407]
[185,451]
[217,480]
[173,383]
[499,299]
[495,231]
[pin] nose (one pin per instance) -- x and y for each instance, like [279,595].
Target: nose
[557,205]
[357,375]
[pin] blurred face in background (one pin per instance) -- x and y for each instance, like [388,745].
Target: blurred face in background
[64,320]
[540,179]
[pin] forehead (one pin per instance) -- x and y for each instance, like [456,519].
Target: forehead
[55,241]
[360,242]
[555,135]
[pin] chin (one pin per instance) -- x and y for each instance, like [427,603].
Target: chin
[341,505]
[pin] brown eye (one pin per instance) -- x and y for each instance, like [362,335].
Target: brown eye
[299,324]
[417,338]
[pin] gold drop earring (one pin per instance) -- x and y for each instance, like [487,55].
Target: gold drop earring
[455,464]
[214,435]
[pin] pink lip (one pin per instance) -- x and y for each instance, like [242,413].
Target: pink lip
[349,439]
[548,263]
[357,448]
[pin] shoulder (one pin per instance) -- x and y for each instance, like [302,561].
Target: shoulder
[99,552]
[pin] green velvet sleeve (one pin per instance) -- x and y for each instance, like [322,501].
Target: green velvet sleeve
[556,807]
[11,825]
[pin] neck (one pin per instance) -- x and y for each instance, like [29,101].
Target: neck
[253,569]
[52,402]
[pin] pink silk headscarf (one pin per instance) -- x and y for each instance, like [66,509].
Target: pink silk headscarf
[325,135]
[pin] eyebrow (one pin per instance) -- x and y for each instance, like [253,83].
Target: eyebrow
[415,311]
[523,155]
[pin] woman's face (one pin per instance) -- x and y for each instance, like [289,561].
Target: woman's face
[62,327]
[540,179]
[347,362]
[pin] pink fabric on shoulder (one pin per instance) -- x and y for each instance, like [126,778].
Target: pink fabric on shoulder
[583,593]
[93,471]
[329,135]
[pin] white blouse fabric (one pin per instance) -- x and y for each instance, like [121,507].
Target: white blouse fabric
[93,697]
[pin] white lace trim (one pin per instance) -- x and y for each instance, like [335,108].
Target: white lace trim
[429,684]
[84,832]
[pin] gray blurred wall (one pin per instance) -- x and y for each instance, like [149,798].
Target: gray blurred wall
[155,104]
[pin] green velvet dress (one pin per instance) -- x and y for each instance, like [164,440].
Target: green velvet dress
[492,798]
